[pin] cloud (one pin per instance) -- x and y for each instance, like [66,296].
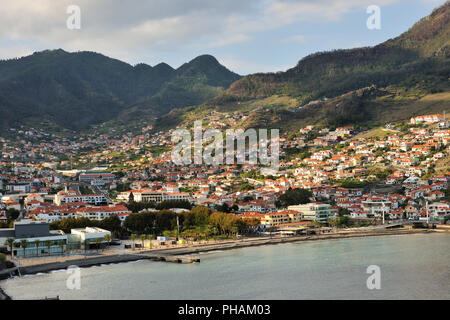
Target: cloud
[247,67]
[238,38]
[298,38]
[135,29]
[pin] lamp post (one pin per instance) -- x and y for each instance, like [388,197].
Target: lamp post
[178,227]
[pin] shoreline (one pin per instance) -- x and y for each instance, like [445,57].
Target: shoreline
[222,246]
[237,244]
[3,295]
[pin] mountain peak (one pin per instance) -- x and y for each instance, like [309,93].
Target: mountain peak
[430,35]
[205,58]
[163,66]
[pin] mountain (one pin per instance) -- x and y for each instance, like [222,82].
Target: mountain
[193,83]
[420,53]
[76,90]
[401,77]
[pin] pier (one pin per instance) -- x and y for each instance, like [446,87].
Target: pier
[172,258]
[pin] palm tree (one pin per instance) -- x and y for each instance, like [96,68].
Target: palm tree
[97,242]
[10,243]
[234,231]
[48,244]
[36,242]
[108,239]
[2,259]
[143,237]
[214,232]
[133,238]
[86,243]
[24,244]
[61,245]
[150,238]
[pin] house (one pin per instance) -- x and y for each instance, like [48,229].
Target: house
[100,213]
[281,217]
[412,213]
[376,206]
[122,216]
[94,199]
[439,210]
[427,119]
[148,195]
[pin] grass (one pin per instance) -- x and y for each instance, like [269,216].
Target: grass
[373,133]
[403,109]
[443,165]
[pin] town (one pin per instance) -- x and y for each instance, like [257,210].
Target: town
[97,186]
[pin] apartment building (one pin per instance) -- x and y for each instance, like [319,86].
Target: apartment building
[315,211]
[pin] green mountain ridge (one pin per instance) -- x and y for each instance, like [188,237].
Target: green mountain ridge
[77,90]
[401,71]
[423,49]
[82,89]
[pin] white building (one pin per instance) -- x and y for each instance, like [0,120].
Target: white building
[94,199]
[89,236]
[146,195]
[376,206]
[315,211]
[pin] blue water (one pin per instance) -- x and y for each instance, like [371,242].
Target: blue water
[412,267]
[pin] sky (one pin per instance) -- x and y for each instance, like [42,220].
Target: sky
[247,36]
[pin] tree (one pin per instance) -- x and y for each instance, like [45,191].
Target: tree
[12,214]
[61,245]
[97,243]
[143,237]
[246,186]
[169,204]
[201,215]
[108,239]
[316,223]
[112,224]
[48,244]
[225,222]
[10,243]
[149,237]
[133,238]
[36,243]
[141,222]
[294,197]
[223,208]
[24,244]
[343,212]
[2,260]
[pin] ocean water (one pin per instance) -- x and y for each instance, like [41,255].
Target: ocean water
[411,267]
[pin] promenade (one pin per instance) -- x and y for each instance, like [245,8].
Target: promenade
[130,255]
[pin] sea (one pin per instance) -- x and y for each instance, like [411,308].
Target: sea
[415,266]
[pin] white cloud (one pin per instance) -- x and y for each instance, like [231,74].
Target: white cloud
[238,38]
[247,67]
[134,29]
[298,38]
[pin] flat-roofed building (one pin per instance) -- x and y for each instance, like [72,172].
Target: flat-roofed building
[38,237]
[315,211]
[91,236]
